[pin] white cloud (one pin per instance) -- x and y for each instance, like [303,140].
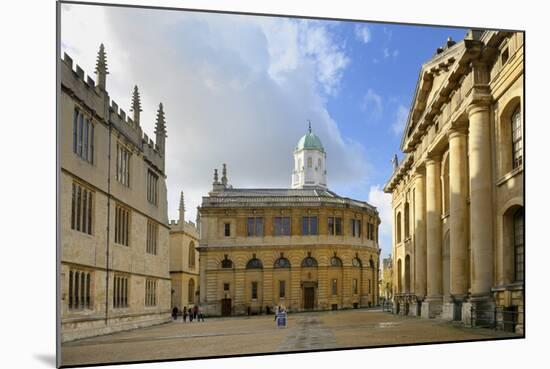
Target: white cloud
[400,120]
[362,33]
[372,103]
[387,53]
[236,89]
[382,201]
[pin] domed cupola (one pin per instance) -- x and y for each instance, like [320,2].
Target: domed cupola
[309,162]
[310,141]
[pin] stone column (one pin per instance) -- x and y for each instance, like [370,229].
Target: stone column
[457,218]
[481,210]
[432,304]
[420,236]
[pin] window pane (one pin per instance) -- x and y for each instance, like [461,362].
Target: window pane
[313,225]
[250,227]
[259,227]
[305,226]
[75,130]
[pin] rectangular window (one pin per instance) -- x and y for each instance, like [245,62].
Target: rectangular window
[356,228]
[334,226]
[334,286]
[150,292]
[354,286]
[79,290]
[309,226]
[152,187]
[83,136]
[226,287]
[81,208]
[281,226]
[122,225]
[120,292]
[255,227]
[281,289]
[227,229]
[254,290]
[123,165]
[152,234]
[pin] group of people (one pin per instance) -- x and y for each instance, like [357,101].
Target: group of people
[194,313]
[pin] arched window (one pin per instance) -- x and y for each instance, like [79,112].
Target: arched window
[519,246]
[407,273]
[191,254]
[226,263]
[309,262]
[282,263]
[398,227]
[407,220]
[191,292]
[335,262]
[399,271]
[254,263]
[356,262]
[517,144]
[309,162]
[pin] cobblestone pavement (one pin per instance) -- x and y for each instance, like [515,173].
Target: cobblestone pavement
[258,334]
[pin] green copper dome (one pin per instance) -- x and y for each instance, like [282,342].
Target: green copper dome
[310,141]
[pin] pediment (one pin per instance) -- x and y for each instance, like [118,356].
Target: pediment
[433,75]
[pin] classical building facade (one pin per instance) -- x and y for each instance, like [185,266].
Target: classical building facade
[184,260]
[113,210]
[304,248]
[458,193]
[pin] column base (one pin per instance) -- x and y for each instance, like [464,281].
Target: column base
[452,308]
[479,312]
[431,308]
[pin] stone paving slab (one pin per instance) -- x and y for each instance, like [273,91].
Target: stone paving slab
[259,334]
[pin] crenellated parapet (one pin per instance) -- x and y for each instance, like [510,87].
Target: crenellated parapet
[95,100]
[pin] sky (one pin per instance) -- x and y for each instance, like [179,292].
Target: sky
[240,89]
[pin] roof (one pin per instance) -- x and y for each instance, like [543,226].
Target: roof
[310,141]
[256,197]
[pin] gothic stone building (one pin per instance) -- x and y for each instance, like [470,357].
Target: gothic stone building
[458,194]
[304,248]
[184,260]
[113,212]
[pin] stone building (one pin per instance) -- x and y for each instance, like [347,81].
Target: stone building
[184,260]
[458,193]
[304,248]
[386,280]
[113,210]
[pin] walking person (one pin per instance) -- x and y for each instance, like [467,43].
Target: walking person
[184,314]
[201,315]
[190,314]
[196,312]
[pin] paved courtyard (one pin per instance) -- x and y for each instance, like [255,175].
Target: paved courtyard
[258,334]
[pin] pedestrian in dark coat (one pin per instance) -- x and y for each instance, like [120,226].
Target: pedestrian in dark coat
[184,314]
[175,313]
[195,312]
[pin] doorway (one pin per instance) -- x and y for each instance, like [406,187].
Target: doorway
[309,298]
[226,307]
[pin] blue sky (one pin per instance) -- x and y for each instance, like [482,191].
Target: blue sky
[240,89]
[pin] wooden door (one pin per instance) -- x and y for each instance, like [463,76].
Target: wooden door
[309,298]
[226,307]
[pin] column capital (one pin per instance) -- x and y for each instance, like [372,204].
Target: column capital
[457,131]
[478,106]
[433,158]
